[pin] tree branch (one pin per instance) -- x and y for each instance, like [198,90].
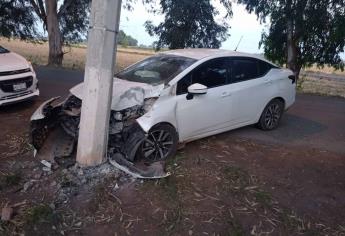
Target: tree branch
[40,11]
[36,8]
[43,10]
[64,7]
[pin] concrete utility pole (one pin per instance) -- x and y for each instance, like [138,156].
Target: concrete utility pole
[98,82]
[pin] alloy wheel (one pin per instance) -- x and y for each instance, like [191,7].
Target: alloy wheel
[272,116]
[157,145]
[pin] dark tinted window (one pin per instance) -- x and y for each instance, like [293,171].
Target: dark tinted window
[183,84]
[244,69]
[264,68]
[248,68]
[211,74]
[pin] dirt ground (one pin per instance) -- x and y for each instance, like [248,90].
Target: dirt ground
[222,185]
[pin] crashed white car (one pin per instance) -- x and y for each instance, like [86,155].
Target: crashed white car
[174,97]
[18,80]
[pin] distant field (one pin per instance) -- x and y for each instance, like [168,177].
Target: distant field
[323,86]
[326,69]
[75,56]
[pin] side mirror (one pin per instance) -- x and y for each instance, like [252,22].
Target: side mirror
[196,89]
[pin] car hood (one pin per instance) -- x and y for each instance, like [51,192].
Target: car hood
[12,61]
[126,94]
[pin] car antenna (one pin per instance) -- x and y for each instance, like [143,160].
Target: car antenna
[238,43]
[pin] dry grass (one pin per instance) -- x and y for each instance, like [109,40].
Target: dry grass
[326,69]
[74,58]
[322,86]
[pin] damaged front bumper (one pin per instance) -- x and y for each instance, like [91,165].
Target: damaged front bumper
[55,129]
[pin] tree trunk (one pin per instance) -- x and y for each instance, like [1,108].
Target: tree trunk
[54,34]
[292,50]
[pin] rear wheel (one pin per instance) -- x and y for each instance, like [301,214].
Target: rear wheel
[271,115]
[160,144]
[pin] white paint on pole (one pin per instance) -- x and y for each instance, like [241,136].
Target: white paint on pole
[98,82]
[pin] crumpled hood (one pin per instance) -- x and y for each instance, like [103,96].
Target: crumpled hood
[12,61]
[125,93]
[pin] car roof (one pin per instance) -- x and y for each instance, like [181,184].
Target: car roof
[201,53]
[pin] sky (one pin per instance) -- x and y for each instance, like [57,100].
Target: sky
[242,24]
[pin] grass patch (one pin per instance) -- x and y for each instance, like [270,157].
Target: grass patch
[264,198]
[236,179]
[39,220]
[10,180]
[99,198]
[300,81]
[325,87]
[13,179]
[173,162]
[39,214]
[167,191]
[235,229]
[168,187]
[173,220]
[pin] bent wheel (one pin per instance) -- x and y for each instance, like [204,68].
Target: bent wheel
[271,115]
[160,144]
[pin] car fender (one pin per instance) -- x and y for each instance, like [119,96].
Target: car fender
[277,95]
[39,114]
[163,111]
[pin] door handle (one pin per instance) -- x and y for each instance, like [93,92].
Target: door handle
[226,94]
[268,81]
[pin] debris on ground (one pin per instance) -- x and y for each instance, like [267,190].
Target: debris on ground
[46,164]
[6,213]
[28,185]
[73,179]
[153,171]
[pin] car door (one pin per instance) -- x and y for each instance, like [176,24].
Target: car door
[251,87]
[207,112]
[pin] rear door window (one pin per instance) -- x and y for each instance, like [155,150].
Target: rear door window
[243,69]
[264,68]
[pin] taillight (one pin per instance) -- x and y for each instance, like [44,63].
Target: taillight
[292,78]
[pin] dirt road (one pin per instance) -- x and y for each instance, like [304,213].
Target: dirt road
[286,182]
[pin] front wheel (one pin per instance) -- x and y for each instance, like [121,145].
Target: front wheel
[160,144]
[271,115]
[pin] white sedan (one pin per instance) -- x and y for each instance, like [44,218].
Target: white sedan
[18,80]
[176,97]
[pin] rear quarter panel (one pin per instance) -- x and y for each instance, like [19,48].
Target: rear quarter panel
[281,87]
[286,88]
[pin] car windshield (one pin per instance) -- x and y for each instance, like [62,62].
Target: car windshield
[3,50]
[156,70]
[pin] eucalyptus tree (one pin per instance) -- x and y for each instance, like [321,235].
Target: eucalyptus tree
[17,19]
[302,32]
[63,20]
[190,23]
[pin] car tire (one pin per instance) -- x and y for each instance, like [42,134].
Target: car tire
[161,143]
[271,116]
